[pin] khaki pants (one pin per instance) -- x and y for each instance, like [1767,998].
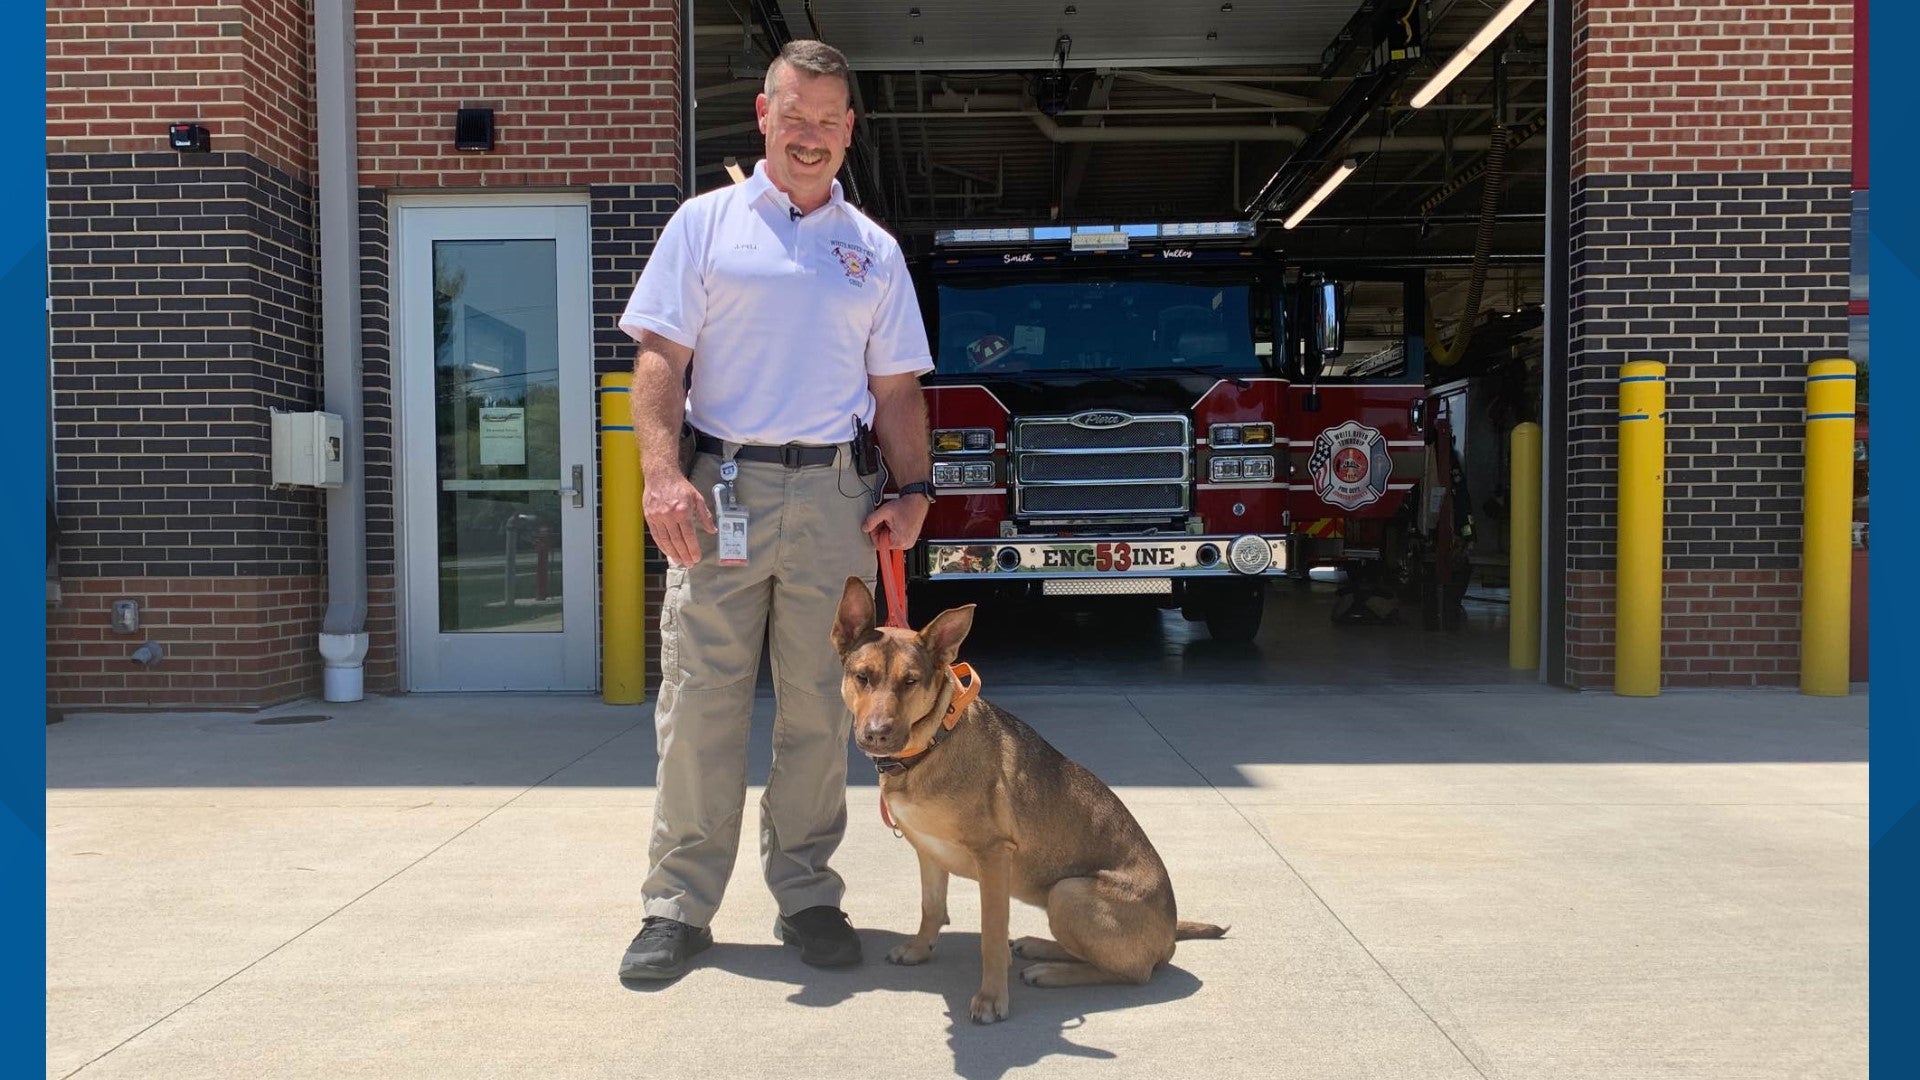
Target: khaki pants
[804,541]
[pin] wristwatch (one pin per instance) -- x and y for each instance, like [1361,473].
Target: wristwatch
[918,487]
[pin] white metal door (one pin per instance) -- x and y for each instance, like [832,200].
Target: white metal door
[495,395]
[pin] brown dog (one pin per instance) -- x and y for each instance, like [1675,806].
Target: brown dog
[980,794]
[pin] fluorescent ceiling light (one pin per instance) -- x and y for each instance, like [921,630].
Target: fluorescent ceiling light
[1458,62]
[1345,170]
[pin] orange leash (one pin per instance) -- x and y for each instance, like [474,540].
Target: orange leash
[893,577]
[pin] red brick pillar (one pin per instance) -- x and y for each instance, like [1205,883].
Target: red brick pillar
[1710,231]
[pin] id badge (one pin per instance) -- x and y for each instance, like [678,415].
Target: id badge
[731,521]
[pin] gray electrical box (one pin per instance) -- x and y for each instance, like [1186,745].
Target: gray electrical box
[308,449]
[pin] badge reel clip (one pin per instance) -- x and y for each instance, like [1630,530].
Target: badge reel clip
[730,516]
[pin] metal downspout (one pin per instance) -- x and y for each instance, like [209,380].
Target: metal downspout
[343,630]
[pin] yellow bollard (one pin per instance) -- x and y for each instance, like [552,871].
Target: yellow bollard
[1638,554]
[1523,543]
[623,643]
[1826,574]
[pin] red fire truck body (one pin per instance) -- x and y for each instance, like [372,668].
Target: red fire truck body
[1164,421]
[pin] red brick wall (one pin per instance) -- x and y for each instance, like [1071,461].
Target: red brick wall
[234,642]
[583,91]
[1695,85]
[1719,628]
[118,73]
[1711,140]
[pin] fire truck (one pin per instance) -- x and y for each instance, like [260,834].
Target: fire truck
[1166,412]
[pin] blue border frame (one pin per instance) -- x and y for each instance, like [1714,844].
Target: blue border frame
[23,758]
[1894,252]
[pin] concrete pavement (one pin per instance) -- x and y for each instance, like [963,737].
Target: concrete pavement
[1502,881]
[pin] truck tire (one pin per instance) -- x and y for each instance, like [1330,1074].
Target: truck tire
[1233,613]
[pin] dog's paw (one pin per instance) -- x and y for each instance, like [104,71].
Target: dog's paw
[1049,974]
[1039,948]
[989,1007]
[909,953]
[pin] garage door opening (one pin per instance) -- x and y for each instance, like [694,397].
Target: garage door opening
[1315,310]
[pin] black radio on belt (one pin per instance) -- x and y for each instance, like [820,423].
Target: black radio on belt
[866,450]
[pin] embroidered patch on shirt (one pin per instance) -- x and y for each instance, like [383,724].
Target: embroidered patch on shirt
[854,262]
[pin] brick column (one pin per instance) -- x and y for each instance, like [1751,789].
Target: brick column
[183,312]
[1709,231]
[382,670]
[626,221]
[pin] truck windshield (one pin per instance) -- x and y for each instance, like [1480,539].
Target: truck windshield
[1119,325]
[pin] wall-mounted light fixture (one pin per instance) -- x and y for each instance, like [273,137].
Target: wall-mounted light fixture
[189,138]
[473,129]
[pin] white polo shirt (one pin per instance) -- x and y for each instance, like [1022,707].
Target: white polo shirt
[787,314]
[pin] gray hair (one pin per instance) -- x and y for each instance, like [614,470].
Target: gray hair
[815,58]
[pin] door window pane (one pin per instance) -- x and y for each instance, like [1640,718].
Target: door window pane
[496,335]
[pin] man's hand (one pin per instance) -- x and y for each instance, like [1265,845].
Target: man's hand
[673,506]
[901,517]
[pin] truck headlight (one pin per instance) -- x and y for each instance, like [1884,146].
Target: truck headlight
[1240,435]
[954,474]
[1255,467]
[963,441]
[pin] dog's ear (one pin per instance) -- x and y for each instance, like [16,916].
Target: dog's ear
[855,618]
[942,636]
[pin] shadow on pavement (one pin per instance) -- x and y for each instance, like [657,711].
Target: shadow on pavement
[1035,1029]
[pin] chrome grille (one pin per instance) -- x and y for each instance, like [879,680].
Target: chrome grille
[1141,468]
[1102,466]
[1058,434]
[1105,499]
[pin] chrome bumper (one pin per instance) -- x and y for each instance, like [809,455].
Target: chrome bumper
[1097,557]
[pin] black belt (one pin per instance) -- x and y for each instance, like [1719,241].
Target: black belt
[792,455]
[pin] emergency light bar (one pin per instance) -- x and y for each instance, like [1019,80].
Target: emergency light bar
[1096,234]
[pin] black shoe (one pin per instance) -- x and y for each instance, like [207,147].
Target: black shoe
[662,948]
[825,937]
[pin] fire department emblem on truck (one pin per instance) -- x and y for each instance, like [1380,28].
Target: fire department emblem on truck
[1350,465]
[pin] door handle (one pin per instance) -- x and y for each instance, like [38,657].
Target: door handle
[578,489]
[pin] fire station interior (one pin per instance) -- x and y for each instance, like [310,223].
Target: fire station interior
[1023,114]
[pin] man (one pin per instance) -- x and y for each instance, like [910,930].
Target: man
[800,324]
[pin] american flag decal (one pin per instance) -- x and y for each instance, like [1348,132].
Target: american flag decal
[1322,455]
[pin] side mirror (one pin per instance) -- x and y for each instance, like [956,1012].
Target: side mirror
[1325,319]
